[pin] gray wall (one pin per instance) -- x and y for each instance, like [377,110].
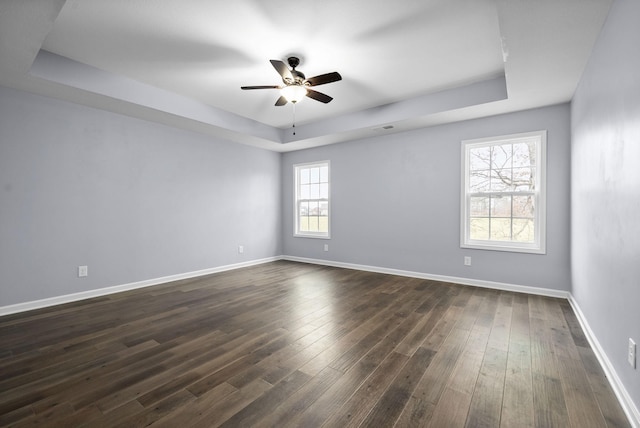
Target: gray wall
[396,202]
[131,199]
[605,195]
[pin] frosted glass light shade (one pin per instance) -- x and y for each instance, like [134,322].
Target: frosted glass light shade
[293,93]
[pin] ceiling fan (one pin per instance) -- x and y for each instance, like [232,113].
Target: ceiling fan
[296,85]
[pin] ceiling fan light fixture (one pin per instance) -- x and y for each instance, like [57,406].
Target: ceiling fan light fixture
[293,93]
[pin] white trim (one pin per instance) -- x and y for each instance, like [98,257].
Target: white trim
[68,298]
[630,409]
[548,292]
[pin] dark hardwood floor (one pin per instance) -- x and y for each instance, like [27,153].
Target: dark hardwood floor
[294,345]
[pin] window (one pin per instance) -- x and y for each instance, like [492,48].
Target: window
[503,196]
[312,200]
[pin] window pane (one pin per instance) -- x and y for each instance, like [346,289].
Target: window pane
[315,191]
[501,206]
[523,206]
[315,175]
[479,228]
[501,229]
[304,191]
[524,154]
[314,208]
[479,181]
[324,191]
[324,208]
[479,206]
[304,224]
[523,179]
[304,209]
[324,174]
[304,176]
[323,224]
[313,224]
[479,158]
[501,156]
[523,230]
[501,180]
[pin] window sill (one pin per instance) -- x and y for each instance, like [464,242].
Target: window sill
[506,248]
[305,235]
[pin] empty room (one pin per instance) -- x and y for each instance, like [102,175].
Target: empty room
[319,213]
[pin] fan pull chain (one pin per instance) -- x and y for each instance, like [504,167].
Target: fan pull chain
[294,118]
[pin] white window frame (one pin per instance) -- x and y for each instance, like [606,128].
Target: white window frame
[539,244]
[297,200]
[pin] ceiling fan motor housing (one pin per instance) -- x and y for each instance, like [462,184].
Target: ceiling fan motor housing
[298,76]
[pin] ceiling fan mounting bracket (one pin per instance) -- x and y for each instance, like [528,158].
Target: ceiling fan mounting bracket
[293,61]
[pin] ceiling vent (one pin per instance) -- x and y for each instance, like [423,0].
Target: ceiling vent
[383,128]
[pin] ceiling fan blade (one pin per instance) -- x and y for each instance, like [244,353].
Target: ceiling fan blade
[281,101]
[260,87]
[318,96]
[324,78]
[282,69]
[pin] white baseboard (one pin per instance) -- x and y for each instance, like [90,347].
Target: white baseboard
[68,298]
[624,399]
[464,281]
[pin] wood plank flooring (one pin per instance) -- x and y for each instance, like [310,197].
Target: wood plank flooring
[288,344]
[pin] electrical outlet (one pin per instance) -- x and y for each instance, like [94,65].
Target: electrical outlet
[631,355]
[83,271]
[240,249]
[467,261]
[326,247]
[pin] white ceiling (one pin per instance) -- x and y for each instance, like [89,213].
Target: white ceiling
[406,63]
